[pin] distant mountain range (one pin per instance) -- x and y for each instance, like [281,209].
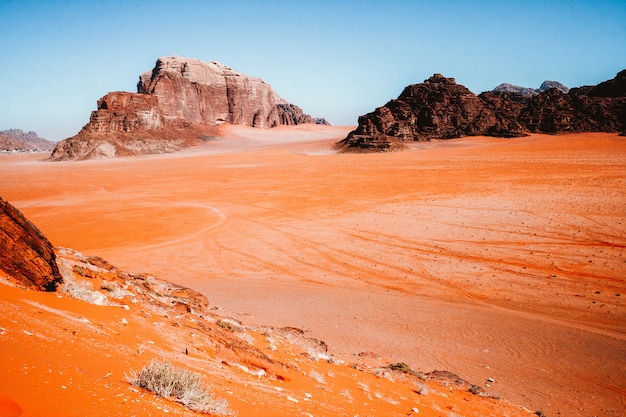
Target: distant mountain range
[16,140]
[529,92]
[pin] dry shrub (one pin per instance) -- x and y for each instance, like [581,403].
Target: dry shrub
[403,367]
[180,385]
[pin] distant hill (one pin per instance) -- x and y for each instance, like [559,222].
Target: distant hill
[529,92]
[16,140]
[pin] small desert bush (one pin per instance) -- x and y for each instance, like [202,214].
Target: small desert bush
[180,385]
[228,325]
[475,389]
[403,367]
[317,376]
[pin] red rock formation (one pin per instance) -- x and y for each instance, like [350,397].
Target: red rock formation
[25,253]
[177,104]
[441,109]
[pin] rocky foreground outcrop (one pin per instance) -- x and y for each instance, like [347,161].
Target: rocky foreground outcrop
[179,103]
[439,108]
[25,253]
[16,140]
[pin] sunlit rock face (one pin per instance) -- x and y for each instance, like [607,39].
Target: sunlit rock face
[180,101]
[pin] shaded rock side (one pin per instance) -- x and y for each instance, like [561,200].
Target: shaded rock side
[25,253]
[177,104]
[18,140]
[440,108]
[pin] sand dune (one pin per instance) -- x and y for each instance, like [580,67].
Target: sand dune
[491,258]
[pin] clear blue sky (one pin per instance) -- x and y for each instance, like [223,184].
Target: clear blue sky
[335,59]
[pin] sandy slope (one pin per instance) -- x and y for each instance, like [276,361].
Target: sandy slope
[66,357]
[491,258]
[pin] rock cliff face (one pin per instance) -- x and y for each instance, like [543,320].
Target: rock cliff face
[19,141]
[25,253]
[177,104]
[439,108]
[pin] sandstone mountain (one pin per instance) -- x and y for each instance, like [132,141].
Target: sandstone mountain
[179,103]
[439,108]
[25,253]
[16,140]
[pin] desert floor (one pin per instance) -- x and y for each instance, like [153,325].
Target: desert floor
[490,258]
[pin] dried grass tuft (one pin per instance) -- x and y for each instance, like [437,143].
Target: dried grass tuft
[180,385]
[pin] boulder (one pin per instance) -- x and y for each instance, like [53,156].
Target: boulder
[25,253]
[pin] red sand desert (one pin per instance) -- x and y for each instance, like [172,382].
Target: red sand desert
[495,259]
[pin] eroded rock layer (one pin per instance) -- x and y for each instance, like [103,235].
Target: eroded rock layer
[439,108]
[177,104]
[25,253]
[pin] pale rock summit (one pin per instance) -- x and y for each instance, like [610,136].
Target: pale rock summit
[212,93]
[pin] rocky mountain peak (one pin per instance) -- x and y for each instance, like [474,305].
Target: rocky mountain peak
[179,102]
[546,85]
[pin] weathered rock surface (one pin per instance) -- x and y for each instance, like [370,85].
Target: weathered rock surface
[16,140]
[439,108]
[25,253]
[177,104]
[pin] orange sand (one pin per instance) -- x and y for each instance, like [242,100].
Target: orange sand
[490,258]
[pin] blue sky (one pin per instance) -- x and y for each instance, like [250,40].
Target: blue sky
[335,59]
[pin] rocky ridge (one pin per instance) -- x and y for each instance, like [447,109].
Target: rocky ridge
[179,103]
[16,140]
[25,253]
[439,108]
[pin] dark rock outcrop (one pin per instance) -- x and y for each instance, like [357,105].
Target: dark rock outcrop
[439,108]
[25,253]
[16,140]
[177,104]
